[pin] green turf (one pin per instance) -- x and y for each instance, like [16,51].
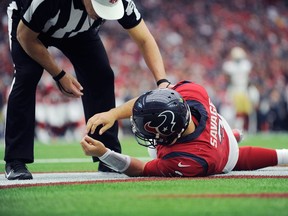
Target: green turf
[169,197]
[165,197]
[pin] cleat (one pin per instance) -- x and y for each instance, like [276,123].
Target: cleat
[17,170]
[238,134]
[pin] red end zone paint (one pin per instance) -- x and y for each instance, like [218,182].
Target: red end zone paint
[23,185]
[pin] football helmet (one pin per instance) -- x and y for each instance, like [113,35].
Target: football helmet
[159,117]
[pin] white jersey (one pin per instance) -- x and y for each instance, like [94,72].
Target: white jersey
[239,72]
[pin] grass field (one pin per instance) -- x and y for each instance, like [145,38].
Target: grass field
[198,196]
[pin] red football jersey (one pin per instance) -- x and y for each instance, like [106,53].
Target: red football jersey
[205,151]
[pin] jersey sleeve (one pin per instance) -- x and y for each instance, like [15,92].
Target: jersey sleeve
[38,13]
[132,17]
[174,167]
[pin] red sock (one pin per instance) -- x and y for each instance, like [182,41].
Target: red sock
[252,158]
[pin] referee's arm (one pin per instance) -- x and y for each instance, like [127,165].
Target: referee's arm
[29,41]
[149,49]
[35,49]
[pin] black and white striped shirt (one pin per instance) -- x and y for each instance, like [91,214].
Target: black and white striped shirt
[67,18]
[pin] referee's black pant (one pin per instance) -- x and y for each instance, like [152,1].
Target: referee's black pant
[88,56]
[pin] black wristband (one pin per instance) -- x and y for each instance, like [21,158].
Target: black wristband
[162,81]
[59,76]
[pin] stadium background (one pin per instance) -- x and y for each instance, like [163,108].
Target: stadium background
[195,38]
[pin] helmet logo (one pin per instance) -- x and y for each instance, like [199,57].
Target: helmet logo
[164,128]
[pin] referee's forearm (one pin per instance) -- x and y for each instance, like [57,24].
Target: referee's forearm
[29,41]
[40,54]
[153,59]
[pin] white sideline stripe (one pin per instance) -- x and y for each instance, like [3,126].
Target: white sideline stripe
[71,160]
[63,160]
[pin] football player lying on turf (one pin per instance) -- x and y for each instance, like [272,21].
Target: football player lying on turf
[189,136]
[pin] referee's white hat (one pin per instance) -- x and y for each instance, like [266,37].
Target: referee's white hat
[109,9]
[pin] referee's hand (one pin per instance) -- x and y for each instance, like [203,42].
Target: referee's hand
[69,86]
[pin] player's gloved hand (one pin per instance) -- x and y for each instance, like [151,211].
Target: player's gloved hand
[104,119]
[68,85]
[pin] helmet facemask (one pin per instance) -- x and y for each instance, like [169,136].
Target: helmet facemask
[140,138]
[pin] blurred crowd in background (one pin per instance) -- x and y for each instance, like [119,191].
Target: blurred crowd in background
[237,49]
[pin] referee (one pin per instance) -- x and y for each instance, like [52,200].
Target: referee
[72,27]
